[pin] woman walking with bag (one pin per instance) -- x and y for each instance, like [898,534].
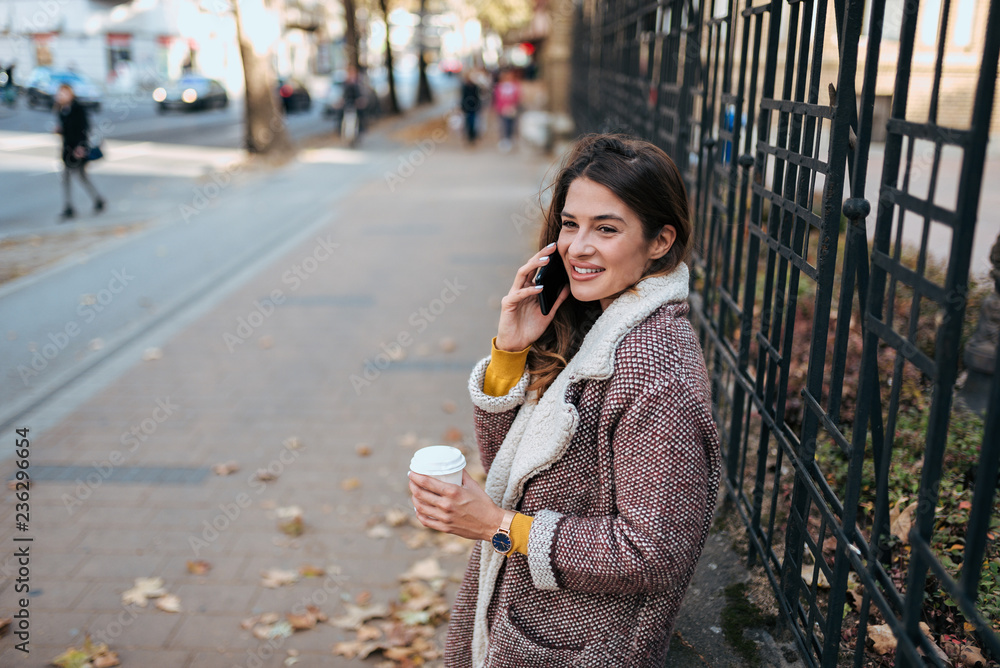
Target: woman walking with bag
[595,426]
[74,126]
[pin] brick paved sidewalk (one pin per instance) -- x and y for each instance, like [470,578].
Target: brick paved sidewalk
[362,336]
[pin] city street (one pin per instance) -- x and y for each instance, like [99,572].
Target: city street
[284,351]
[270,312]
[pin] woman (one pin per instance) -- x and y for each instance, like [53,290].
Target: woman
[507,101]
[74,126]
[595,426]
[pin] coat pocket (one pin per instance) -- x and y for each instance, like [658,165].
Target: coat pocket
[512,645]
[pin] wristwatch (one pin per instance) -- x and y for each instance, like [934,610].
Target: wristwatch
[501,539]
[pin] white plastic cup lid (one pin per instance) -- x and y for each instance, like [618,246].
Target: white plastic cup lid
[437,460]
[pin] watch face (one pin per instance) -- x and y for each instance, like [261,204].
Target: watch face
[501,542]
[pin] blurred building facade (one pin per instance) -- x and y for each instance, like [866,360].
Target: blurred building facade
[130,45]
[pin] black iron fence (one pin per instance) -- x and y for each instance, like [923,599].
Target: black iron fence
[822,305]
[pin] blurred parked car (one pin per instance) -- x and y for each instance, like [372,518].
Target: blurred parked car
[191,92]
[42,84]
[294,95]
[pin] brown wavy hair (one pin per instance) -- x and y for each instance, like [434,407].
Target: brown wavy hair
[646,180]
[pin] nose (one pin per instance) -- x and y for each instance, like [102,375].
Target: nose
[581,246]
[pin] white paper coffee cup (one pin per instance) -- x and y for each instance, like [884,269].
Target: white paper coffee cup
[439,461]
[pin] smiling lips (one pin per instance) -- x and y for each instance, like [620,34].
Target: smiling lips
[585,272]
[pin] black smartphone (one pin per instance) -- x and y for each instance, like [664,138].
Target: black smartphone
[552,276]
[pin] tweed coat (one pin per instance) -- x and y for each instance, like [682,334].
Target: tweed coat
[618,463]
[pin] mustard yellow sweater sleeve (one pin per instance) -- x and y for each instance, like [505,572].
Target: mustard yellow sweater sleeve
[519,529]
[504,370]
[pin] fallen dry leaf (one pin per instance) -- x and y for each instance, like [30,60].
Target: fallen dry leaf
[807,576]
[226,468]
[199,567]
[358,615]
[88,656]
[273,578]
[395,517]
[280,630]
[18,485]
[265,476]
[425,569]
[447,344]
[4,624]
[350,484]
[449,406]
[363,598]
[265,619]
[71,658]
[856,597]
[293,527]
[145,588]
[881,638]
[306,620]
[169,603]
[288,512]
[900,520]
[308,571]
[368,632]
[379,531]
[453,435]
[417,539]
[355,649]
[362,449]
[971,657]
[105,660]
[292,443]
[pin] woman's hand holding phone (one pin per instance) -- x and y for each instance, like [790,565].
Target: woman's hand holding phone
[521,319]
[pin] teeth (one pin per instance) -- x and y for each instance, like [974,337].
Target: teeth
[587,271]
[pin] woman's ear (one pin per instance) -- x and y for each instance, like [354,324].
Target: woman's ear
[662,243]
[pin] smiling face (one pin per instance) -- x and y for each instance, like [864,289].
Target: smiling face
[602,244]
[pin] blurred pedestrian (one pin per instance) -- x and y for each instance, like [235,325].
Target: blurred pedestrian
[594,423]
[507,102]
[74,126]
[471,97]
[7,88]
[355,103]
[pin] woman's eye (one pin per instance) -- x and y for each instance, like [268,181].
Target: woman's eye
[607,230]
[568,223]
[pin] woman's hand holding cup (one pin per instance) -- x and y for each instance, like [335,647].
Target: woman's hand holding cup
[521,319]
[462,510]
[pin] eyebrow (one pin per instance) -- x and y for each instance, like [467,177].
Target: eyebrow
[603,216]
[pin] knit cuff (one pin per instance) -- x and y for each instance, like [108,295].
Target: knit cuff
[507,402]
[504,371]
[540,539]
[520,529]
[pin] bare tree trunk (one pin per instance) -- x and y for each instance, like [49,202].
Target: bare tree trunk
[264,126]
[351,40]
[393,100]
[424,94]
